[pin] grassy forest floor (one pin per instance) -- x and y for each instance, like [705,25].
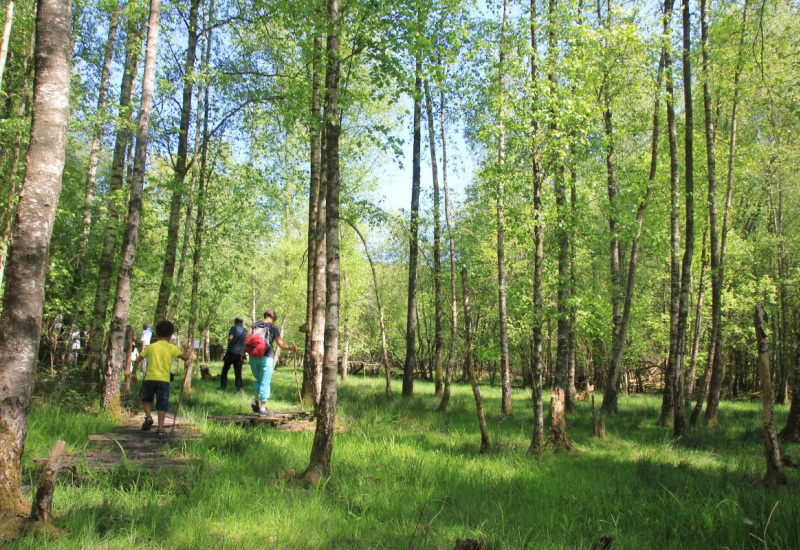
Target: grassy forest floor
[406,476]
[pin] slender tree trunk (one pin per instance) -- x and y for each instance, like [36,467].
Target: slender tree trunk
[791,432]
[13,177]
[23,298]
[124,136]
[610,397]
[322,448]
[688,250]
[165,289]
[115,360]
[698,319]
[94,148]
[668,404]
[309,363]
[413,252]
[502,290]
[772,452]
[537,438]
[384,349]
[312,378]
[437,253]
[202,196]
[451,362]
[473,379]
[562,230]
[175,301]
[4,40]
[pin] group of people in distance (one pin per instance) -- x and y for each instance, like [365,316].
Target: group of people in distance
[260,365]
[160,354]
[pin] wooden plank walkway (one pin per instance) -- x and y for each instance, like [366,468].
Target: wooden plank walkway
[144,449]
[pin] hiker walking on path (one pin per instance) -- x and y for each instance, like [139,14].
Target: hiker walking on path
[259,346]
[234,355]
[156,381]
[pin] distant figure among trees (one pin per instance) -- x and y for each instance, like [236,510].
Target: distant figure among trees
[234,355]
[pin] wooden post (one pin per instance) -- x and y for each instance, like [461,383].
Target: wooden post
[774,473]
[40,510]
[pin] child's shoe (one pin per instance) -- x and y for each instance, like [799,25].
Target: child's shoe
[255,405]
[148,423]
[263,411]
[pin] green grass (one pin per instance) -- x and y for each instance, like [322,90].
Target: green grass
[406,476]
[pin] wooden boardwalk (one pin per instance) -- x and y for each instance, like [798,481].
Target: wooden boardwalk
[129,444]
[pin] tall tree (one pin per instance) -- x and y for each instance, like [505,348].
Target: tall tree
[505,367]
[688,247]
[667,403]
[437,252]
[23,297]
[119,319]
[537,437]
[202,196]
[134,29]
[315,280]
[410,365]
[322,447]
[181,167]
[714,364]
[94,148]
[4,40]
[451,362]
[620,332]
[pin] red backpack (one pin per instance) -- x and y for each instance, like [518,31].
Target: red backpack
[256,345]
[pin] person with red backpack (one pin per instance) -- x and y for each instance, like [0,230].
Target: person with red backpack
[258,344]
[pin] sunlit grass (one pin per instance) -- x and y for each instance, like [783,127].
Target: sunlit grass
[407,476]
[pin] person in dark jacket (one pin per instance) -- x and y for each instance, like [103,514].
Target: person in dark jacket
[233,355]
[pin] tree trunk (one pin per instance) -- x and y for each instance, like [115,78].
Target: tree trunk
[23,298]
[791,432]
[774,473]
[558,420]
[94,148]
[410,365]
[202,196]
[451,362]
[322,447]
[688,250]
[11,203]
[384,350]
[105,273]
[715,346]
[310,364]
[40,509]
[437,253]
[610,397]
[537,438]
[473,379]
[668,404]
[502,290]
[165,289]
[698,319]
[115,361]
[6,37]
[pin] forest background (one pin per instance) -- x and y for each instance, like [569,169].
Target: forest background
[631,198]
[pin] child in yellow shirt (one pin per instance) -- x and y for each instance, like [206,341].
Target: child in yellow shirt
[156,381]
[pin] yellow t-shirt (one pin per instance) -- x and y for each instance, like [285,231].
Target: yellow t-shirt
[159,357]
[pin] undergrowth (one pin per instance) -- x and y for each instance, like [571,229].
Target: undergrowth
[407,476]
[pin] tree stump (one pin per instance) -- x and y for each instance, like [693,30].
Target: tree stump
[558,419]
[775,473]
[40,510]
[598,422]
